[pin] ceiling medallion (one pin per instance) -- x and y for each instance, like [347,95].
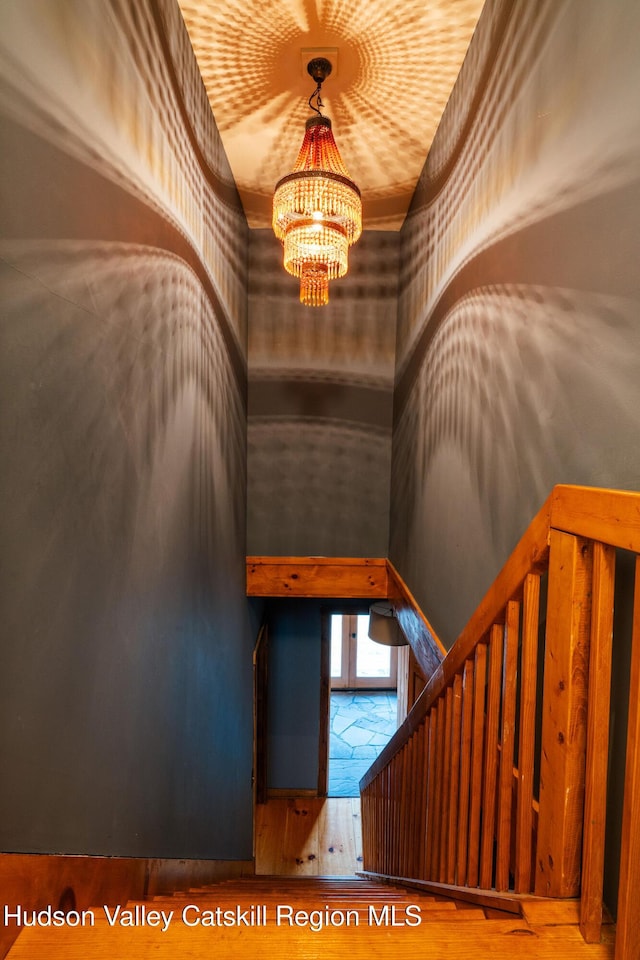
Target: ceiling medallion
[317,210]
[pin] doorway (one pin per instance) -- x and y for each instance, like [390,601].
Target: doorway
[363,712]
[356,661]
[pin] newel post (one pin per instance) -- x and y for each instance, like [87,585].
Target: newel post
[564,716]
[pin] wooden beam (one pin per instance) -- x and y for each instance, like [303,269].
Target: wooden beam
[427,648]
[564,717]
[333,577]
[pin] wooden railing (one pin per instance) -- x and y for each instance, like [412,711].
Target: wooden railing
[496,781]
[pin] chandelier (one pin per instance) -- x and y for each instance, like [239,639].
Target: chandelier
[317,210]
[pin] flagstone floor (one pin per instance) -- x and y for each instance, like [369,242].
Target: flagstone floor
[362,722]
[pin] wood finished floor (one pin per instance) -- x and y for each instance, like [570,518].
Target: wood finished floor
[309,837]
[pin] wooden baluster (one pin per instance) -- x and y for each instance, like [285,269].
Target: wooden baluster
[564,712]
[365,823]
[398,762]
[431,793]
[628,927]
[491,757]
[393,819]
[425,807]
[454,791]
[446,785]
[437,807]
[405,826]
[412,817]
[391,805]
[402,838]
[465,772]
[507,741]
[387,814]
[401,835]
[477,747]
[595,800]
[419,803]
[526,749]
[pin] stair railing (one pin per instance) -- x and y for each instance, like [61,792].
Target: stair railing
[496,781]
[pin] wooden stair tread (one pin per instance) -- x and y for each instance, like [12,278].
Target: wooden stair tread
[445,931]
[495,939]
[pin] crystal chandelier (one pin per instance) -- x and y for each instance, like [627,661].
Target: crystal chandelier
[317,211]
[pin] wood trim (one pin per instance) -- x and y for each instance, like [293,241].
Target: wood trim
[427,647]
[323,577]
[275,793]
[325,703]
[510,903]
[260,716]
[610,516]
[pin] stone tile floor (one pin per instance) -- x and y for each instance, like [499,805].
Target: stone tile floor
[361,724]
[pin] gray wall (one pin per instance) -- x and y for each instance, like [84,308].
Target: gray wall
[320,405]
[294,694]
[294,678]
[126,645]
[518,350]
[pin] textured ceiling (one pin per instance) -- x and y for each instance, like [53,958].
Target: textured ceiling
[396,63]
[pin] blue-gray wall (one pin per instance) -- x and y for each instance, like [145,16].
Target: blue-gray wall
[126,644]
[518,349]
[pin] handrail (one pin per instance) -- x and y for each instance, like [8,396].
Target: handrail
[497,780]
[531,554]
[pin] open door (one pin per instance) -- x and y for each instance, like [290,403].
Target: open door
[349,661]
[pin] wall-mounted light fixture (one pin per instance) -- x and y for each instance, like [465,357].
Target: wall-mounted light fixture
[317,210]
[384,627]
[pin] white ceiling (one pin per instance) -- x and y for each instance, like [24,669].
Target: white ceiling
[396,63]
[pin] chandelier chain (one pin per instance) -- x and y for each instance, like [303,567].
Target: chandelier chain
[318,98]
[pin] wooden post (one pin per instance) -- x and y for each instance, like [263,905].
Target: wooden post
[479,695]
[465,771]
[628,929]
[494,692]
[454,791]
[564,712]
[528,699]
[507,743]
[595,803]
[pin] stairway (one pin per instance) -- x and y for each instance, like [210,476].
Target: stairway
[260,918]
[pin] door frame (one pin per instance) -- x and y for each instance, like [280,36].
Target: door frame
[326,685]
